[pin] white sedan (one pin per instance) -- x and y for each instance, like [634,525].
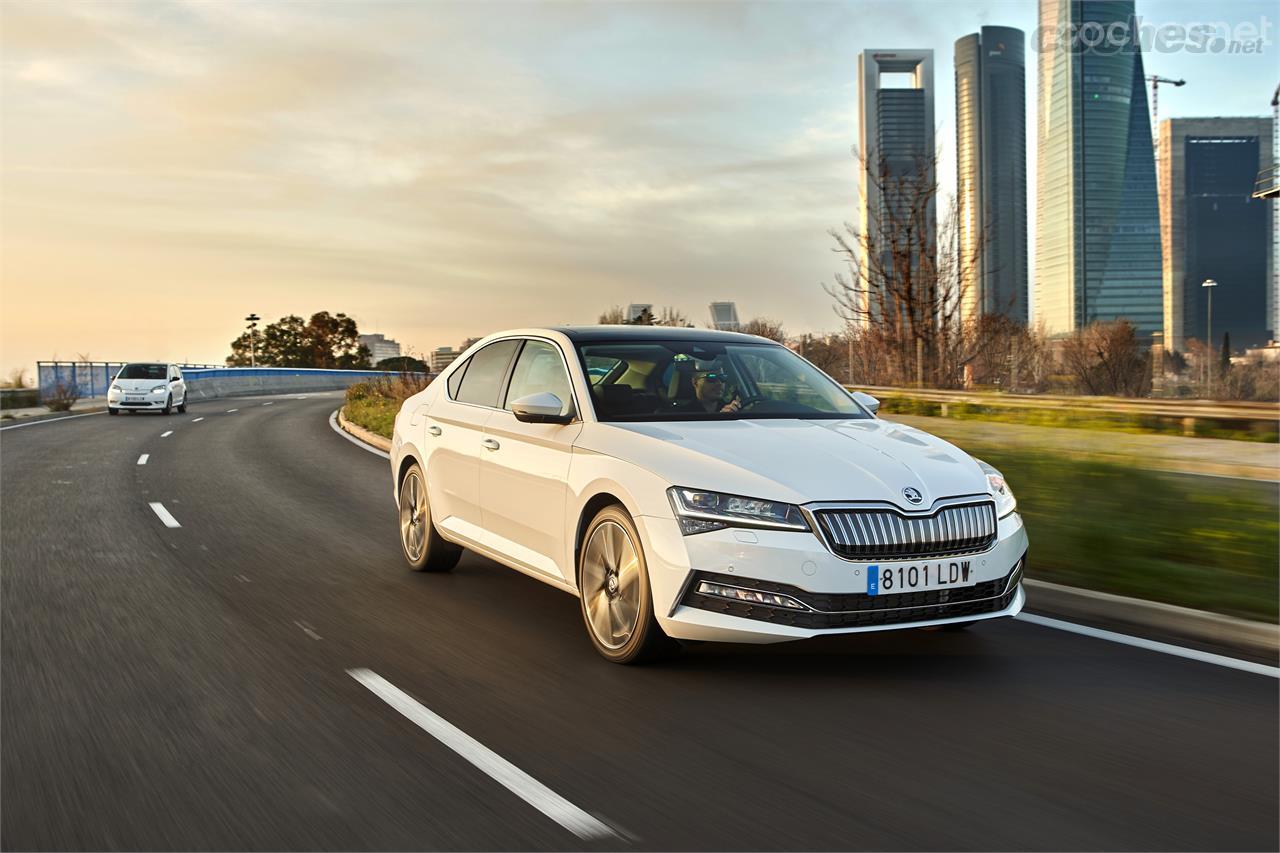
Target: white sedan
[689,484]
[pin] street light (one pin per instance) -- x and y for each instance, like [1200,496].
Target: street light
[253,324]
[1210,284]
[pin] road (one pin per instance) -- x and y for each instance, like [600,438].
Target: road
[188,687]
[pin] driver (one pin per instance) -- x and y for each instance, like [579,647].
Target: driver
[708,389]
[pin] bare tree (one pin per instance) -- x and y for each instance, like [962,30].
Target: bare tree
[669,316]
[903,295]
[765,328]
[1106,358]
[614,316]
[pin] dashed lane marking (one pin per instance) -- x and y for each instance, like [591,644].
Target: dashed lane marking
[229,411]
[142,460]
[164,514]
[196,420]
[166,434]
[308,630]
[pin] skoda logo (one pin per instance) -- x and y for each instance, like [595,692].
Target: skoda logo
[912,494]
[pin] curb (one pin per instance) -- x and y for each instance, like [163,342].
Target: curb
[1090,605]
[369,438]
[47,416]
[1076,603]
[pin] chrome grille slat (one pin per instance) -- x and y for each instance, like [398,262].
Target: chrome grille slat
[876,533]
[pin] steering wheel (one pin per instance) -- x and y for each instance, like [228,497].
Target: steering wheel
[750,400]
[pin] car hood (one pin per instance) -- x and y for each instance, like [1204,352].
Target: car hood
[796,461]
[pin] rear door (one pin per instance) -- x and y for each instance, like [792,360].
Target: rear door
[454,429]
[524,467]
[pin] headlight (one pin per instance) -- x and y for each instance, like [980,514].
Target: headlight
[157,389]
[699,512]
[117,389]
[1005,501]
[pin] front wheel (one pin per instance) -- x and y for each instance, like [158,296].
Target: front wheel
[168,406]
[113,410]
[422,545]
[613,586]
[182,407]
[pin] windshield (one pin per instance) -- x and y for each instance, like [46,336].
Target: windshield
[705,380]
[144,371]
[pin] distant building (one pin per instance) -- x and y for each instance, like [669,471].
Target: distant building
[1214,228]
[895,137]
[380,347]
[442,357]
[1097,215]
[991,172]
[635,309]
[724,316]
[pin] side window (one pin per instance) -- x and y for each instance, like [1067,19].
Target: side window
[540,369]
[455,379]
[483,380]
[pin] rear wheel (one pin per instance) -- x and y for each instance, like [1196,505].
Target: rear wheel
[422,545]
[613,586]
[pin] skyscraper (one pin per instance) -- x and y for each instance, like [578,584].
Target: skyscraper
[1213,228]
[724,316]
[991,172]
[895,138]
[1097,219]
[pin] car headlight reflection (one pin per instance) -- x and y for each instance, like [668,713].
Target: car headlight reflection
[1005,501]
[699,512]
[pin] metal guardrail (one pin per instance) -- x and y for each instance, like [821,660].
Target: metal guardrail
[1178,409]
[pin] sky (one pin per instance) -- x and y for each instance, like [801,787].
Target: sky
[444,170]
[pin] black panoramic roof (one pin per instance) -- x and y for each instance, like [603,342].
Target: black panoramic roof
[582,334]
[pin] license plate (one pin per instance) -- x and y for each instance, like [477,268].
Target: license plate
[919,577]
[134,398]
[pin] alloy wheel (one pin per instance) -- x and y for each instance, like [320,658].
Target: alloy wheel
[413,517]
[611,587]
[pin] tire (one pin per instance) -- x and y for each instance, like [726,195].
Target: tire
[168,406]
[613,586]
[424,549]
[182,407]
[113,410]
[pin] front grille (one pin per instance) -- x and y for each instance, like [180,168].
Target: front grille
[857,610]
[885,534]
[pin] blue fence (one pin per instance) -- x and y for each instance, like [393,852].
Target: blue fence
[93,378]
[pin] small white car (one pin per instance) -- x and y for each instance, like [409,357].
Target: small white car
[144,386]
[689,484]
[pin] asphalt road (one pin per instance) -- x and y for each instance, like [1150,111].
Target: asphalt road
[188,688]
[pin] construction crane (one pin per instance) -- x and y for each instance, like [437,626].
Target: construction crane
[1155,80]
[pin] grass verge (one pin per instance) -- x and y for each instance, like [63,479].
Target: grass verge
[1203,542]
[374,405]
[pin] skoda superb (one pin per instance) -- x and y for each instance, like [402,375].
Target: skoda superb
[688,484]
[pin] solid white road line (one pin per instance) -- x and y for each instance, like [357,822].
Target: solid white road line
[50,420]
[166,434]
[515,780]
[1152,645]
[196,420]
[165,515]
[333,422]
[142,460]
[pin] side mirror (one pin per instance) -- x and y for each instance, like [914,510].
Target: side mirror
[868,402]
[541,408]
[175,379]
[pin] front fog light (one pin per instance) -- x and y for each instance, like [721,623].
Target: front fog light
[751,596]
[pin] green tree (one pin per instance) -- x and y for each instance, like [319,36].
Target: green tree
[325,341]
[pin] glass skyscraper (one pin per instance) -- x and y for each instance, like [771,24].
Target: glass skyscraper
[1214,228]
[1097,216]
[991,172]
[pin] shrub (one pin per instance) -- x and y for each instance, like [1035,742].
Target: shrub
[63,397]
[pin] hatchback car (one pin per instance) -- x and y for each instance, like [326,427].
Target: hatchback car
[689,484]
[147,387]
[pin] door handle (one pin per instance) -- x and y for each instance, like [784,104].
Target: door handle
[490,444]
[433,430]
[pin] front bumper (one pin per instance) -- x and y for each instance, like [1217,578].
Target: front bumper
[149,401]
[832,589]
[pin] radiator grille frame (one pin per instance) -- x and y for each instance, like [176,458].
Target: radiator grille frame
[875,532]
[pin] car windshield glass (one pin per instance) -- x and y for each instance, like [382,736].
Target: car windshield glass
[708,380]
[144,371]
